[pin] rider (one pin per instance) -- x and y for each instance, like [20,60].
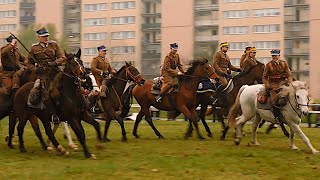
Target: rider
[222,64]
[11,71]
[101,67]
[44,54]
[250,60]
[169,70]
[244,56]
[276,74]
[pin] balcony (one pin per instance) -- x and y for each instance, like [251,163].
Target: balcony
[206,38]
[27,19]
[297,51]
[292,3]
[206,23]
[151,26]
[296,34]
[151,55]
[207,7]
[27,5]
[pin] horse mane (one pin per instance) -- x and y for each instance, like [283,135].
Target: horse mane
[192,66]
[114,78]
[299,85]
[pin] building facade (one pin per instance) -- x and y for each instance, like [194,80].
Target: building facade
[9,19]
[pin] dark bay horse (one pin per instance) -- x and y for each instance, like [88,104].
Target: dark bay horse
[113,101]
[185,100]
[69,107]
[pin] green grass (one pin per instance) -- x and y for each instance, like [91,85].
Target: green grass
[171,158]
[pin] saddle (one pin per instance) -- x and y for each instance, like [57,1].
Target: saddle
[262,99]
[229,87]
[157,83]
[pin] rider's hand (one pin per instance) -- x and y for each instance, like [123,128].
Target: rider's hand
[228,76]
[239,70]
[105,73]
[14,42]
[180,73]
[52,64]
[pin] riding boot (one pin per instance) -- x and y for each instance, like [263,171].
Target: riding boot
[163,92]
[277,113]
[35,93]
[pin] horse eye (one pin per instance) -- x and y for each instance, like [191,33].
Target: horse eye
[298,96]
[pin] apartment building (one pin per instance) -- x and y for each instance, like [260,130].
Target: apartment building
[115,24]
[257,23]
[9,18]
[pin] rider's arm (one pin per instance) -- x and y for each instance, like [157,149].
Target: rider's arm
[216,59]
[94,64]
[265,75]
[61,58]
[22,59]
[180,67]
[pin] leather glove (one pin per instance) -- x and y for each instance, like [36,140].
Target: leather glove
[180,73]
[105,73]
[51,64]
[239,70]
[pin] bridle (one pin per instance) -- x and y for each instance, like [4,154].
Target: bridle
[298,105]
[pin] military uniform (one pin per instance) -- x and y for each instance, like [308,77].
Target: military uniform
[10,72]
[223,66]
[276,74]
[249,61]
[100,66]
[244,56]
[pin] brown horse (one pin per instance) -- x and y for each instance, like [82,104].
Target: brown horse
[70,107]
[183,101]
[113,101]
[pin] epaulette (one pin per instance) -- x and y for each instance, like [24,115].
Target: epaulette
[51,41]
[34,44]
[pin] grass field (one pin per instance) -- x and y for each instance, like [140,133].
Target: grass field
[171,158]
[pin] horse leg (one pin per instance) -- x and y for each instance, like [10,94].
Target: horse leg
[136,124]
[20,129]
[106,128]
[189,130]
[79,131]
[67,133]
[284,130]
[221,120]
[270,127]
[35,126]
[262,123]
[150,122]
[224,133]
[12,124]
[239,124]
[87,117]
[192,116]
[291,138]
[296,129]
[54,130]
[114,115]
[203,120]
[255,125]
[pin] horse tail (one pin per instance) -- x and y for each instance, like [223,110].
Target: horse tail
[235,109]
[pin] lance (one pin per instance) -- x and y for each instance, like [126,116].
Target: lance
[34,59]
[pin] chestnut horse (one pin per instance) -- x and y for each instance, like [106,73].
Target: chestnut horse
[69,107]
[185,100]
[113,101]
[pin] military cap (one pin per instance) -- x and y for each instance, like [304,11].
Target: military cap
[275,52]
[102,48]
[253,49]
[224,44]
[43,32]
[9,39]
[174,46]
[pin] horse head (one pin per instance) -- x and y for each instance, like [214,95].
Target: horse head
[300,91]
[133,74]
[201,68]
[74,65]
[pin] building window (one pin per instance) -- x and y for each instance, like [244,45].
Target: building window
[90,51]
[264,60]
[236,14]
[95,7]
[266,44]
[124,5]
[5,14]
[123,50]
[8,1]
[271,28]
[123,35]
[8,27]
[95,36]
[235,30]
[95,22]
[235,1]
[235,61]
[266,12]
[124,20]
[238,45]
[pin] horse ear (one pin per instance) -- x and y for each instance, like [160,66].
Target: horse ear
[65,53]
[78,55]
[127,64]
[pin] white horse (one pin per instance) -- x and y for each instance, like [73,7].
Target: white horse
[95,91]
[295,107]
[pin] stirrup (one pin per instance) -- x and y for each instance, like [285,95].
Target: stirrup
[55,119]
[158,98]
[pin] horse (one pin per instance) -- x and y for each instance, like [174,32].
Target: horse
[296,106]
[183,101]
[69,107]
[113,100]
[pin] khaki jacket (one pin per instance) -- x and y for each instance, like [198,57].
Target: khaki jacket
[47,53]
[170,64]
[248,63]
[10,58]
[99,65]
[243,57]
[222,64]
[276,73]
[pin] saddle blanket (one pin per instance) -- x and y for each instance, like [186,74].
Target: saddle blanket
[206,86]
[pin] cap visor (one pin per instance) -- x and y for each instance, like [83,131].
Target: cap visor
[273,54]
[46,34]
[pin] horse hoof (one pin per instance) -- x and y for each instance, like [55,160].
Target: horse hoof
[186,136]
[255,143]
[92,156]
[6,138]
[237,141]
[23,150]
[10,146]
[201,137]
[161,137]
[210,135]
[49,148]
[62,151]
[74,147]
[106,139]
[315,152]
